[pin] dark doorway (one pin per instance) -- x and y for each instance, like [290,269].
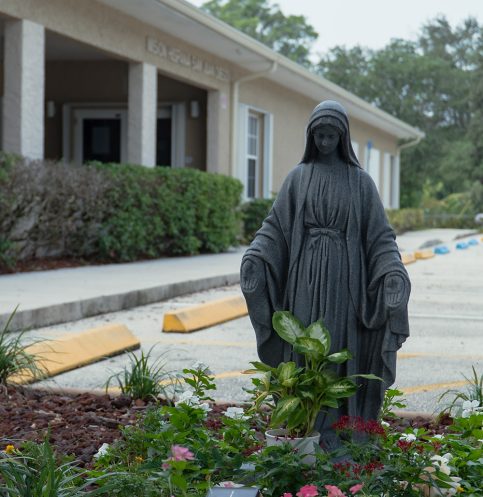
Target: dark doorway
[102,140]
[163,142]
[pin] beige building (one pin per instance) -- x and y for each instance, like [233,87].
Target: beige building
[159,82]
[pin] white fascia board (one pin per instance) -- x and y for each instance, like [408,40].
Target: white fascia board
[228,43]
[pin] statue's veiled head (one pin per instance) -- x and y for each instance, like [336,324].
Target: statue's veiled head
[331,117]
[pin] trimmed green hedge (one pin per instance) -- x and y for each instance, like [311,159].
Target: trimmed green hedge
[253,213]
[114,212]
[166,211]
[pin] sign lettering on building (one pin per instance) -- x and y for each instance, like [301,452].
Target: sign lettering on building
[178,56]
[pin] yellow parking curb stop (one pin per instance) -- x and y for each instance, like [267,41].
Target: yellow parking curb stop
[74,350]
[424,254]
[408,257]
[204,315]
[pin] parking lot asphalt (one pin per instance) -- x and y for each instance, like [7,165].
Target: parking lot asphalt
[446,317]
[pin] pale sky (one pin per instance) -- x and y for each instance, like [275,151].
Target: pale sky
[372,23]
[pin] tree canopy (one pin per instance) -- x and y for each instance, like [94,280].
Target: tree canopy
[289,35]
[434,83]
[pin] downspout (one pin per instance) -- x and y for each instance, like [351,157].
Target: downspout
[234,110]
[408,144]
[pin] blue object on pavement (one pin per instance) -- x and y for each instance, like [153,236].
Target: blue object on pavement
[441,250]
[462,245]
[473,241]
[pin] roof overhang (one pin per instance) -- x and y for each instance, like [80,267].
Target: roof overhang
[183,20]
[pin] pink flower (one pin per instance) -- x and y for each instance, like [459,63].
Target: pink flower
[287,494]
[181,453]
[334,491]
[356,488]
[307,491]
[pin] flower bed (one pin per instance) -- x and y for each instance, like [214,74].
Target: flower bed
[185,449]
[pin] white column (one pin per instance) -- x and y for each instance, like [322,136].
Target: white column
[23,101]
[213,131]
[387,181]
[142,108]
[396,181]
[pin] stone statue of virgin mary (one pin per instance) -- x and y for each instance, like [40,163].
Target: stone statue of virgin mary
[326,250]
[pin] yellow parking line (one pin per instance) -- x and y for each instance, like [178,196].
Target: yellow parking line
[432,386]
[228,374]
[218,343]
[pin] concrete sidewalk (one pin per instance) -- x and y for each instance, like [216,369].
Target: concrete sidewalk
[51,297]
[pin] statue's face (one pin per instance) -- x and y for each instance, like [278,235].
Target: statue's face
[326,138]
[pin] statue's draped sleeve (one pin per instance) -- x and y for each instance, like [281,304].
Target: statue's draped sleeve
[272,246]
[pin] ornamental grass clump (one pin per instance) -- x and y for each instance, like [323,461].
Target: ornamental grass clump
[144,378]
[15,361]
[296,394]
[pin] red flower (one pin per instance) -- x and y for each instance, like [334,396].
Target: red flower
[404,445]
[359,425]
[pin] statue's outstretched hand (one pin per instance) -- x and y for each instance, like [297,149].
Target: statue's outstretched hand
[252,275]
[394,290]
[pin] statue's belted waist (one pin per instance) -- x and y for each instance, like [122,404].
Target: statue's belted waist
[335,234]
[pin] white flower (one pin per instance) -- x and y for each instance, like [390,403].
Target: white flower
[385,424]
[188,397]
[236,413]
[441,463]
[205,407]
[102,451]
[408,437]
[470,407]
[470,404]
[201,366]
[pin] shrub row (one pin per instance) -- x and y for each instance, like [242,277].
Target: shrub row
[252,214]
[113,212]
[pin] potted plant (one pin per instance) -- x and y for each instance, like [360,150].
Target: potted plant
[296,394]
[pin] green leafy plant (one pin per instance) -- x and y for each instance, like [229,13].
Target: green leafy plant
[392,398]
[35,470]
[144,378]
[300,393]
[14,358]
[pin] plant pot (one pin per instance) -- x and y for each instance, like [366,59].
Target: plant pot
[304,445]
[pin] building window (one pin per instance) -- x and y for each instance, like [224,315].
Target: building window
[254,167]
[373,167]
[253,156]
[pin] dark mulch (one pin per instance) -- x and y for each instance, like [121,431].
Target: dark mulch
[46,264]
[81,423]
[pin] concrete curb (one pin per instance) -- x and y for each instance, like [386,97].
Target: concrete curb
[80,309]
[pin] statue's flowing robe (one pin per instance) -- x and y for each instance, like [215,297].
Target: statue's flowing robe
[360,250]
